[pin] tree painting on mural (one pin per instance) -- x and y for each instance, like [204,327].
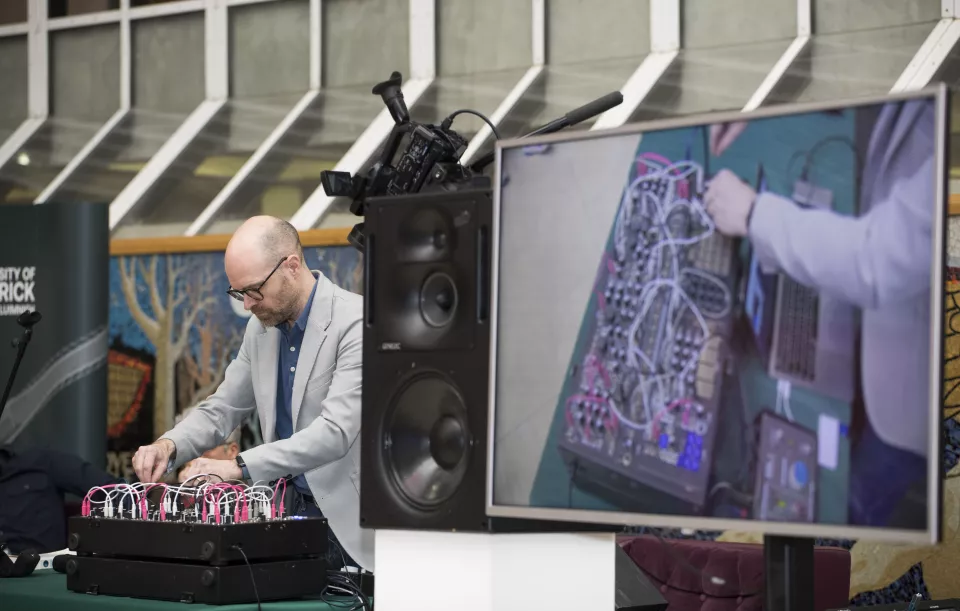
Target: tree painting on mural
[200,371]
[951,366]
[166,296]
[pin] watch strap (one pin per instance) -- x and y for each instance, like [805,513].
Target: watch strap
[243,467]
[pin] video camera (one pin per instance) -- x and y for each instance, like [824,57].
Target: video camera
[421,157]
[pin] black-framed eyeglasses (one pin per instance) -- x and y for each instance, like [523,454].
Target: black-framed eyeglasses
[254,291]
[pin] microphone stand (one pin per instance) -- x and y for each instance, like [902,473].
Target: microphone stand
[25,320]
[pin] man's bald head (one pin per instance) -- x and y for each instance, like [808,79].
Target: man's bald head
[264,239]
[265,254]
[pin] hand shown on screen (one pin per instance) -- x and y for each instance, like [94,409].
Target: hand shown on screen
[728,202]
[722,136]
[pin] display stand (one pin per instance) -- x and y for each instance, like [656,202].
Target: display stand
[440,571]
[788,573]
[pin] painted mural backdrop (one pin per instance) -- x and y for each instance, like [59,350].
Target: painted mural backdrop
[173,330]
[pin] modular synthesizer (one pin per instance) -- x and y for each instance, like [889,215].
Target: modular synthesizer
[641,401]
[215,542]
[198,541]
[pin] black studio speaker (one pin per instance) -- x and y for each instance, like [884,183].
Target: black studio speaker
[426,357]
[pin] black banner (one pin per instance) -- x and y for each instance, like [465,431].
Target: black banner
[54,259]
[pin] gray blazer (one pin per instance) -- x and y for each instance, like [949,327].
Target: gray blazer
[880,261]
[325,445]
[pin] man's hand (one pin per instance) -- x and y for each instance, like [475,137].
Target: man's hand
[150,462]
[722,136]
[182,474]
[225,469]
[729,200]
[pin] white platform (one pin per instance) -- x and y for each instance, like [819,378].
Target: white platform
[431,571]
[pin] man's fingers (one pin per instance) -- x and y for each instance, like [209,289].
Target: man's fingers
[138,464]
[713,196]
[147,466]
[157,472]
[191,476]
[189,471]
[146,472]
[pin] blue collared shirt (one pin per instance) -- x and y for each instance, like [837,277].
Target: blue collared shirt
[291,338]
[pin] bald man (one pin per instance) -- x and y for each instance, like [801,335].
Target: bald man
[308,404]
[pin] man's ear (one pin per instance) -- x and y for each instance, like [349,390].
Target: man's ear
[296,265]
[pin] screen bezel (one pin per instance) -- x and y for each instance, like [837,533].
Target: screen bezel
[933,533]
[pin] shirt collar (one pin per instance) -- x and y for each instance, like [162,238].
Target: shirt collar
[301,321]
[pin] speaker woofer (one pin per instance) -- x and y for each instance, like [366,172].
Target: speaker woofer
[439,300]
[427,441]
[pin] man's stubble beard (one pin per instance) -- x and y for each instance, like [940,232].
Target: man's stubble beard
[285,312]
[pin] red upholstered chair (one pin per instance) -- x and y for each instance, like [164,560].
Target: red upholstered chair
[683,573]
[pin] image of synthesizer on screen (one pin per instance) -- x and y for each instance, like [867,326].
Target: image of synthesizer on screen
[757,343]
[644,411]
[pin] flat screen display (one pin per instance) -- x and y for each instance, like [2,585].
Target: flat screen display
[724,322]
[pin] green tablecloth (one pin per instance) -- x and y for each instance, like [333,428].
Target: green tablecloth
[47,591]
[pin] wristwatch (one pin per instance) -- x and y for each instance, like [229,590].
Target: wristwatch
[243,467]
